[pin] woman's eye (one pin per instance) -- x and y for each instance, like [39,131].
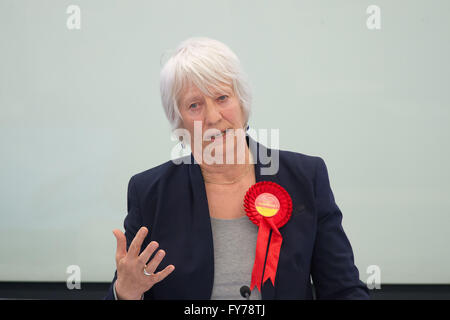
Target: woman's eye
[224,97]
[193,106]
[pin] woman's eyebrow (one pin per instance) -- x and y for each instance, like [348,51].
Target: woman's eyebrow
[189,99]
[197,97]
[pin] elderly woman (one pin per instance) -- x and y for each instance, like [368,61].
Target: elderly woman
[216,235]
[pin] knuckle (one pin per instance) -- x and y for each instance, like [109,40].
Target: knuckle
[124,262]
[121,263]
[141,260]
[160,255]
[156,261]
[158,277]
[151,247]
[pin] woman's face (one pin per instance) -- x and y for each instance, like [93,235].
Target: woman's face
[222,111]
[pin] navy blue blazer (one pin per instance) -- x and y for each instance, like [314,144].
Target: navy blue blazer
[170,200]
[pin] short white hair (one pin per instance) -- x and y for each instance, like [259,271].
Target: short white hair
[208,64]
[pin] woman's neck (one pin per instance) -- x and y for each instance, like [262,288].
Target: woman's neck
[227,173]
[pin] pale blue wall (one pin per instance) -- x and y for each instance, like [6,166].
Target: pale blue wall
[80,113]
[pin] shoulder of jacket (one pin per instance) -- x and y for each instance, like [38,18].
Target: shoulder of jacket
[151,176]
[307,164]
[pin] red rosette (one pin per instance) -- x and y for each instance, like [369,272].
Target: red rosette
[284,213]
[269,206]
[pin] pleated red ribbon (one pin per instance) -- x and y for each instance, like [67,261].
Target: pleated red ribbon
[269,206]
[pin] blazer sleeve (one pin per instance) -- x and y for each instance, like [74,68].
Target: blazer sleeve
[132,223]
[333,271]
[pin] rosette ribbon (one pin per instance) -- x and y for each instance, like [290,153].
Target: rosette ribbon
[269,206]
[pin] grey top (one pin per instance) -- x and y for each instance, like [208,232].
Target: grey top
[234,255]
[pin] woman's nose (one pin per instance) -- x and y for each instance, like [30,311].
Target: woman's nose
[212,115]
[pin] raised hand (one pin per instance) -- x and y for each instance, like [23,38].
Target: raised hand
[132,281]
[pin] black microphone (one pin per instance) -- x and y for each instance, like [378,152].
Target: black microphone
[245,292]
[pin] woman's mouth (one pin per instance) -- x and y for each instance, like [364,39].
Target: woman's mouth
[217,135]
[220,134]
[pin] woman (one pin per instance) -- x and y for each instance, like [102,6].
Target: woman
[194,210]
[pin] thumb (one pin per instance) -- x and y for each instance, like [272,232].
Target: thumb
[121,250]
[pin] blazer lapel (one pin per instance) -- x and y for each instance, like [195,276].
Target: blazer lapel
[203,246]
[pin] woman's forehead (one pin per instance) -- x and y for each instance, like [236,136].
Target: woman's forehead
[192,91]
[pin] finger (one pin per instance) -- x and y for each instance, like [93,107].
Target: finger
[135,245]
[154,263]
[164,273]
[121,250]
[148,251]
